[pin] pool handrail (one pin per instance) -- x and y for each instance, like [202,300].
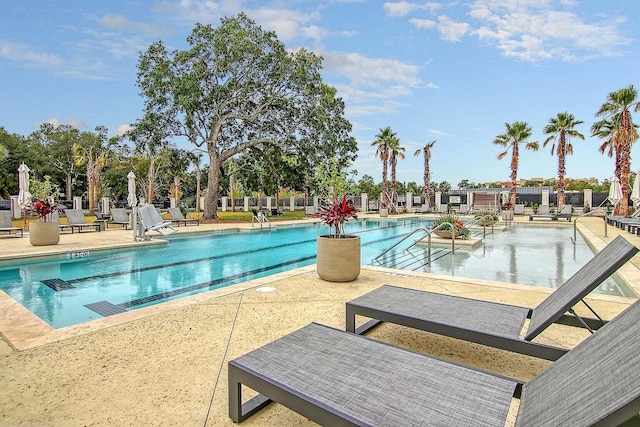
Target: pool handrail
[429,232]
[595,210]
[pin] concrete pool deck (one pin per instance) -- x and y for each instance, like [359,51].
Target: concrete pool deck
[166,364]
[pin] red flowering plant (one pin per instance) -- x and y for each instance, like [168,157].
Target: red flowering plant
[44,208]
[336,214]
[333,186]
[43,205]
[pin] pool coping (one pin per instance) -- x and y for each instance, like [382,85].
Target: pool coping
[23,330]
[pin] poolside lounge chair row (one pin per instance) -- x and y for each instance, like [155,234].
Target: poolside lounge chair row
[545,213]
[6,226]
[338,378]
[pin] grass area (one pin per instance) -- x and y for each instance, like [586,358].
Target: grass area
[225,216]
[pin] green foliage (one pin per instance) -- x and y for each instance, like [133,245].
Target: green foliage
[44,190]
[332,182]
[453,219]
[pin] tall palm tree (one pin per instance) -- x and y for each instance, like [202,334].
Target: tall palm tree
[95,159]
[517,133]
[620,132]
[396,151]
[382,142]
[561,129]
[426,151]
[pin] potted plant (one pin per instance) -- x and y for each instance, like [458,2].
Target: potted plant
[47,230]
[459,230]
[507,211]
[338,253]
[486,217]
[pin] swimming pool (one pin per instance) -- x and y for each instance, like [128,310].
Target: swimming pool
[74,288]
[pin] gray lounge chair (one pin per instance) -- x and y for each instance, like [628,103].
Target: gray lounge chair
[488,323]
[518,209]
[7,226]
[120,216]
[463,209]
[76,221]
[337,378]
[565,212]
[152,221]
[177,217]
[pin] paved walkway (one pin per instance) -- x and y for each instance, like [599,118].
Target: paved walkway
[166,364]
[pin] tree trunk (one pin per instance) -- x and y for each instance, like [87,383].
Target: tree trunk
[213,184]
[561,170]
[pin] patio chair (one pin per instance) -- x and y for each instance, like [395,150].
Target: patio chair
[152,221]
[622,221]
[463,209]
[492,324]
[444,209]
[543,212]
[336,378]
[177,217]
[311,211]
[518,209]
[120,216]
[76,221]
[425,208]
[7,226]
[565,212]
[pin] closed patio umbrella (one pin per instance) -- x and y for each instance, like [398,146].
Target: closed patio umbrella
[635,190]
[615,193]
[24,197]
[132,201]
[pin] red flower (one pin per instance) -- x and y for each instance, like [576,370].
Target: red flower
[43,208]
[336,214]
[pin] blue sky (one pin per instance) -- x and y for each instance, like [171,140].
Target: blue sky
[451,71]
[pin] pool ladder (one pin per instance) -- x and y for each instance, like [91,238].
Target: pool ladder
[428,233]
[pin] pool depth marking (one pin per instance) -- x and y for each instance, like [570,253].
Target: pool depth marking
[105,308]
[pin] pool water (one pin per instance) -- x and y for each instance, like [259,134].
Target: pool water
[81,286]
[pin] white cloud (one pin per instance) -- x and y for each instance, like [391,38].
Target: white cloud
[122,129]
[27,56]
[76,123]
[121,23]
[450,30]
[532,30]
[367,71]
[423,23]
[403,8]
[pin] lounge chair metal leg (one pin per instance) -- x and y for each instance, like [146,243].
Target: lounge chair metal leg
[238,411]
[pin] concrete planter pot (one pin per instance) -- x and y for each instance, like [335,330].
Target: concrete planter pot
[507,216]
[338,259]
[44,233]
[384,212]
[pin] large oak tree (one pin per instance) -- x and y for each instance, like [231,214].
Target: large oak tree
[238,89]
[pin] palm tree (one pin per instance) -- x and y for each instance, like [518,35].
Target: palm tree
[620,132]
[426,150]
[395,152]
[382,142]
[561,128]
[516,134]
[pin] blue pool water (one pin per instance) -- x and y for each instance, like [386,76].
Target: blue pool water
[77,287]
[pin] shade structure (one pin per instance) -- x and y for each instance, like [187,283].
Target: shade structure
[132,201]
[635,190]
[615,192]
[24,197]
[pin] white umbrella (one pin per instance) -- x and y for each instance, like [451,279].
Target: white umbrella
[615,192]
[635,190]
[132,201]
[24,197]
